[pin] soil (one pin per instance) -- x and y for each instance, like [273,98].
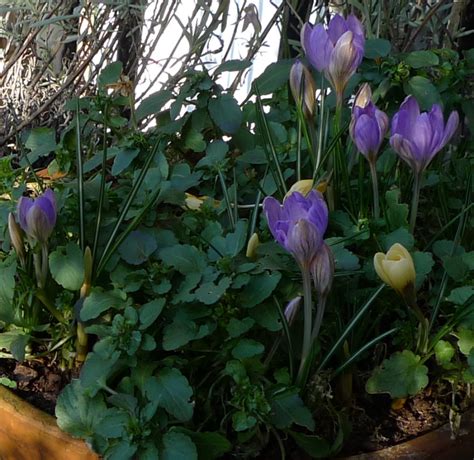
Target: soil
[39,382]
[379,422]
[376,421]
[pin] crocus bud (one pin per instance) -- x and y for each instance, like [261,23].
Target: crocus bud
[368,125]
[322,270]
[299,224]
[303,87]
[337,51]
[252,246]
[37,217]
[193,202]
[396,269]
[16,237]
[292,309]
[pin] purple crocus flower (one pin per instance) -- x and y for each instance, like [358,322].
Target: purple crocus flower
[37,217]
[337,51]
[368,125]
[418,137]
[299,224]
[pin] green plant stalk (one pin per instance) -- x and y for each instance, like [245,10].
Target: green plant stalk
[298,148]
[361,350]
[307,322]
[111,243]
[80,178]
[375,189]
[102,188]
[319,317]
[415,200]
[82,341]
[274,157]
[349,327]
[228,206]
[41,295]
[321,128]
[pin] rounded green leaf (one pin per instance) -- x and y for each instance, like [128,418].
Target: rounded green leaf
[66,265]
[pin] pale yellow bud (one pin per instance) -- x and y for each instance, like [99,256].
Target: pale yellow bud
[252,245]
[305,186]
[363,96]
[396,269]
[194,202]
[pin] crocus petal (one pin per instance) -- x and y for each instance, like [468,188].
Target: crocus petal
[355,26]
[318,213]
[437,127]
[451,127]
[367,135]
[421,138]
[24,205]
[304,241]
[337,27]
[322,270]
[382,121]
[341,64]
[405,150]
[48,207]
[404,120]
[272,209]
[317,46]
[379,269]
[38,224]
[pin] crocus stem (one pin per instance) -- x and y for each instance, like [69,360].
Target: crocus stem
[319,317]
[38,269]
[40,294]
[308,319]
[81,343]
[298,150]
[414,201]
[44,264]
[375,189]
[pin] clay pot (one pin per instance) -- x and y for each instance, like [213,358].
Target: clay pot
[435,445]
[26,433]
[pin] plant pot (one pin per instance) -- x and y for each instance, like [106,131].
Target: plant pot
[26,433]
[435,445]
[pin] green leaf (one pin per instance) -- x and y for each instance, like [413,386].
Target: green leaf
[152,104]
[400,375]
[99,301]
[419,59]
[184,258]
[178,333]
[216,153]
[377,48]
[242,421]
[226,113]
[447,248]
[114,424]
[455,267]
[423,264]
[465,341]
[110,74]
[397,214]
[18,345]
[424,91]
[461,295]
[178,446]
[171,391]
[41,141]
[345,259]
[468,259]
[444,352]
[194,140]
[137,247]
[402,236]
[209,293]
[77,413]
[121,451]
[247,348]
[149,312]
[66,265]
[123,159]
[274,76]
[288,408]
[258,289]
[234,65]
[7,290]
[314,446]
[237,327]
[209,445]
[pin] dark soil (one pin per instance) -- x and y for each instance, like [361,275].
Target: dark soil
[379,422]
[39,382]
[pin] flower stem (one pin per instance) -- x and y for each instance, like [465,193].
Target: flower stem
[319,317]
[415,200]
[375,189]
[308,319]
